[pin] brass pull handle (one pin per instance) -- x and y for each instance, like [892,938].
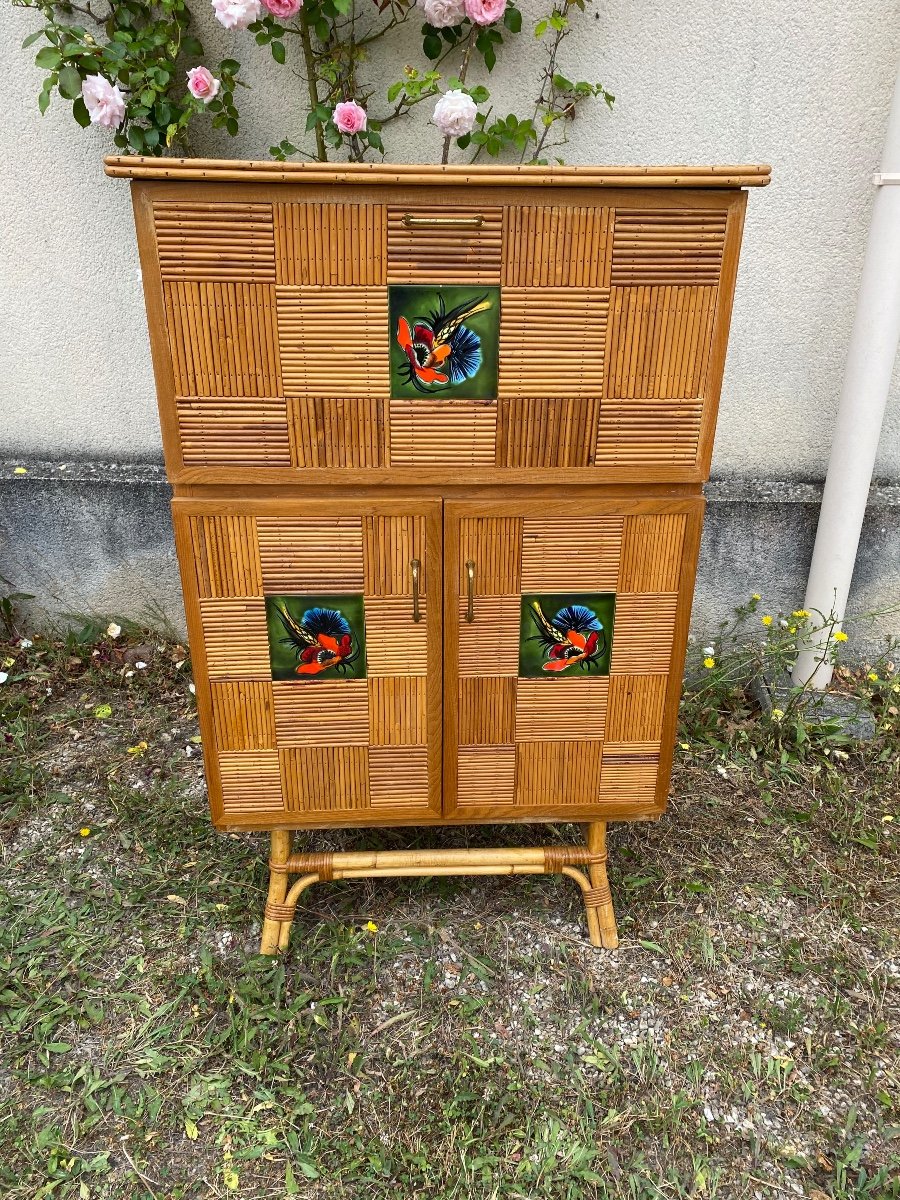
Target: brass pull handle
[415,566]
[470,591]
[413,222]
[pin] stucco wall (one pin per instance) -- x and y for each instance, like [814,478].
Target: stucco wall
[804,86]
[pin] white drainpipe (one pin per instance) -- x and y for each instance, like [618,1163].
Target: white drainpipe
[867,378]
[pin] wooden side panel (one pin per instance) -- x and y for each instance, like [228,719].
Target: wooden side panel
[223,339]
[333,341]
[450,433]
[644,632]
[544,350]
[659,340]
[546,433]
[556,246]
[340,245]
[652,551]
[337,432]
[668,246]
[452,253]
[201,241]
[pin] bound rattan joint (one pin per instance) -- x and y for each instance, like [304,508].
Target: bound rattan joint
[281,904]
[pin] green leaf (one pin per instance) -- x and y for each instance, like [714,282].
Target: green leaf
[278,52]
[561,83]
[311,121]
[540,29]
[192,46]
[80,113]
[69,83]
[48,58]
[463,141]
[512,19]
[229,66]
[480,94]
[32,38]
[135,140]
[232,126]
[431,47]
[43,102]
[375,140]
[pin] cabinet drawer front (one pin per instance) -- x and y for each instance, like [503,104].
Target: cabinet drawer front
[565,630]
[315,637]
[317,339]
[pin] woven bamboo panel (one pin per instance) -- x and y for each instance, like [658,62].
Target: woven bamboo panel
[546,433]
[397,711]
[489,645]
[337,432]
[644,633]
[571,553]
[659,340]
[449,433]
[486,775]
[333,341]
[552,341]
[223,339]
[487,711]
[648,433]
[444,254]
[668,246]
[395,644]
[330,713]
[330,244]
[556,247]
[494,544]
[632,750]
[557,773]
[226,556]
[233,432]
[636,707]
[311,554]
[251,783]
[398,777]
[389,546]
[199,241]
[243,715]
[235,639]
[561,709]
[325,779]
[628,779]
[652,549]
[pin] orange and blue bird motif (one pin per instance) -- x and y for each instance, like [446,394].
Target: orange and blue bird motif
[441,350]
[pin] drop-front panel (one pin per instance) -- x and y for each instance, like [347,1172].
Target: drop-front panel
[284,323]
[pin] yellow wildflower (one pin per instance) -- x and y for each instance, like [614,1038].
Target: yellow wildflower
[872,676]
[800,613]
[138,750]
[709,662]
[777,713]
[20,471]
[371,926]
[840,636]
[84,831]
[756,596]
[766,620]
[792,629]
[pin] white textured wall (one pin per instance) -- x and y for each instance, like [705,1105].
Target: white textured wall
[804,86]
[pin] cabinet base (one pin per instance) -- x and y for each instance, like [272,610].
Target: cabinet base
[585,864]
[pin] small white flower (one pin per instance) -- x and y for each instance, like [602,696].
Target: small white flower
[141,666]
[783,623]
[113,630]
[129,674]
[25,643]
[709,651]
[192,689]
[4,675]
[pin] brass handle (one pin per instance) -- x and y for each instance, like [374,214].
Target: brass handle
[470,591]
[415,566]
[413,222]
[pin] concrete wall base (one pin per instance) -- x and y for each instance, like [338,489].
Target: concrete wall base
[96,539]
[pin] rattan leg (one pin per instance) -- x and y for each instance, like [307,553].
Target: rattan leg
[599,898]
[278,882]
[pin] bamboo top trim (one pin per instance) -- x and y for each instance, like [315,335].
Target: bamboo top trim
[235,170]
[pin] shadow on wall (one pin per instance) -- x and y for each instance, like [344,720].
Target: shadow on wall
[96,539]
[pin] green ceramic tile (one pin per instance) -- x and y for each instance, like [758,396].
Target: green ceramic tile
[426,321]
[316,637]
[566,634]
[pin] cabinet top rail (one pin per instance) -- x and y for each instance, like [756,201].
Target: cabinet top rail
[238,170]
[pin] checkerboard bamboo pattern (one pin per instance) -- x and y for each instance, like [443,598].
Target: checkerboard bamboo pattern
[613,317]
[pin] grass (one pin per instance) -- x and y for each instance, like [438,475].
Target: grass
[743,1042]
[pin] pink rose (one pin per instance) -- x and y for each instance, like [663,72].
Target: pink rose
[202,84]
[441,14]
[103,100]
[236,14]
[454,114]
[283,8]
[350,117]
[485,12]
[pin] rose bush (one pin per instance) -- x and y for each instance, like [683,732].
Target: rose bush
[202,84]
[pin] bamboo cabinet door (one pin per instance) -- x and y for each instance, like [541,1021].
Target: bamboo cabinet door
[315,632]
[565,625]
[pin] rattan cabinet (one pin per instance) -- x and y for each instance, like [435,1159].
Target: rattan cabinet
[437,438]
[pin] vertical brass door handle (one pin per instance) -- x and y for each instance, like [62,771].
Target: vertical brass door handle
[470,591]
[415,567]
